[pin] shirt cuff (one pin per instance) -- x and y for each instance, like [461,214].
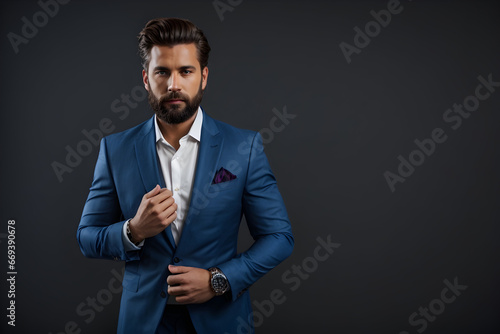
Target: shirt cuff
[129,245]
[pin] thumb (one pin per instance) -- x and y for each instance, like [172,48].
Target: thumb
[153,192]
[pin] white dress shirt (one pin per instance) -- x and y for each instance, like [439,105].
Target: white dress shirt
[178,168]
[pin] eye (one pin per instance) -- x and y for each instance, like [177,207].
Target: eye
[161,72]
[185,72]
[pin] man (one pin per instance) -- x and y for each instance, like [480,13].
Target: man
[168,196]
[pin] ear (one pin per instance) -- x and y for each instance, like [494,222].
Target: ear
[204,76]
[145,80]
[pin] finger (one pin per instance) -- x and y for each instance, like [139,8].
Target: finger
[167,214]
[162,196]
[165,192]
[174,290]
[157,209]
[157,206]
[183,299]
[153,192]
[165,222]
[164,203]
[168,192]
[158,195]
[178,269]
[173,281]
[179,296]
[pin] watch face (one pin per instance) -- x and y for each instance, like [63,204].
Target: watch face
[219,283]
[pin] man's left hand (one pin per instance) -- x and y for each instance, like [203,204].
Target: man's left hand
[189,285]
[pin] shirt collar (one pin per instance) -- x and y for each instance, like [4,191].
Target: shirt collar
[194,132]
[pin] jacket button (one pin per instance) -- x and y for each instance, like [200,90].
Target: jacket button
[163,294]
[177,260]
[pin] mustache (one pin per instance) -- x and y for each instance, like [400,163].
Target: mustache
[173,96]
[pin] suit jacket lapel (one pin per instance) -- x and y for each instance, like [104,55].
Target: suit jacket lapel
[149,164]
[209,151]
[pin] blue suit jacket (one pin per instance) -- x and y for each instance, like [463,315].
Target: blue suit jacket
[128,167]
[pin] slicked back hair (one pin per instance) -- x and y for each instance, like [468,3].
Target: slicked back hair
[169,32]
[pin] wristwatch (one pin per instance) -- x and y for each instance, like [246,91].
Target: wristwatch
[218,282]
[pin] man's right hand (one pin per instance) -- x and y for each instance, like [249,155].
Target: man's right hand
[156,211]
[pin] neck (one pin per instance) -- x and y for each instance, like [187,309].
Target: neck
[174,132]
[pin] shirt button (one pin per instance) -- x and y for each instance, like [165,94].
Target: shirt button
[176,189]
[177,260]
[163,294]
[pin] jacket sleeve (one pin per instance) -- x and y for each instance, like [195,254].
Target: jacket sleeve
[100,230]
[267,221]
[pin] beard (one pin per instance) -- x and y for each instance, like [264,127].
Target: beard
[174,113]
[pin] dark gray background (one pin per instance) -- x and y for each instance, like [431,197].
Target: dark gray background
[352,122]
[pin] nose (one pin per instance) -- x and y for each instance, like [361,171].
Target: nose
[173,83]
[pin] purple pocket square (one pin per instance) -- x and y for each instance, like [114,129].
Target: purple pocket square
[223,175]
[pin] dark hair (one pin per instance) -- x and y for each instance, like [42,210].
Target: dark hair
[169,32]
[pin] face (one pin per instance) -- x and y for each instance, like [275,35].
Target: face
[175,82]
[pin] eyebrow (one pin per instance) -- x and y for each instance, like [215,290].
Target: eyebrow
[188,67]
[163,68]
